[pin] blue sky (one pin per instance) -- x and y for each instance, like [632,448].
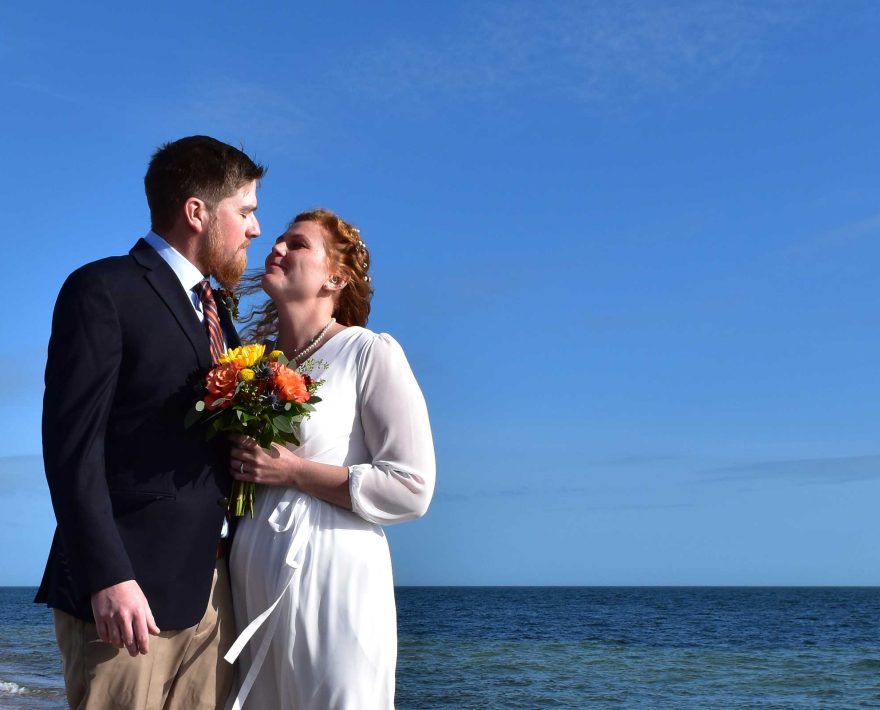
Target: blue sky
[629,247]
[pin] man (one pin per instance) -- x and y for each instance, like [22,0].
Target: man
[139,499]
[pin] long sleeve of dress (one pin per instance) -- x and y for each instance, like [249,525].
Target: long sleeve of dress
[398,483]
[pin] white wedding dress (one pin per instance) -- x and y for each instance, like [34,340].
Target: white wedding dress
[311,582]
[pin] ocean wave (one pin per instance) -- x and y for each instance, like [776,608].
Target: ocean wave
[10,688]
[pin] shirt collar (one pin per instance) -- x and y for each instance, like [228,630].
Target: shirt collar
[188,275]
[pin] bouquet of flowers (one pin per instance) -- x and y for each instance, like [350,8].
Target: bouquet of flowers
[249,392]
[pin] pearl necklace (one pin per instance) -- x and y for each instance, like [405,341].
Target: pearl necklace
[313,343]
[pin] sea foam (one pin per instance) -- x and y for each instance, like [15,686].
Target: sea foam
[8,688]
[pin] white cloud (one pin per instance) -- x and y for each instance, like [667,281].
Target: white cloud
[841,236]
[613,51]
[844,469]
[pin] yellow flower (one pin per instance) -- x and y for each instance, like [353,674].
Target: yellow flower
[245,356]
[274,355]
[246,375]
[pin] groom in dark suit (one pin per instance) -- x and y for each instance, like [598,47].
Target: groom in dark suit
[139,499]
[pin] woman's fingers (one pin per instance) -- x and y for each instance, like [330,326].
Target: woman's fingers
[246,465]
[243,442]
[255,464]
[238,464]
[246,455]
[241,470]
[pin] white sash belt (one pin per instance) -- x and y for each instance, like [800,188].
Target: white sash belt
[284,517]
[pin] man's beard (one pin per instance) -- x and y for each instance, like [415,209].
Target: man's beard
[225,268]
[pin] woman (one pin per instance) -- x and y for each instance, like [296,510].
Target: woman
[311,572]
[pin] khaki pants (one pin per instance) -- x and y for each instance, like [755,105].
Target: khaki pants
[184,669]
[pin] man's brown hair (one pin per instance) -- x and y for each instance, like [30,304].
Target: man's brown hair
[196,166]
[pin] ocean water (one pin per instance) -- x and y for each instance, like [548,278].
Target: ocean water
[578,647]
[30,672]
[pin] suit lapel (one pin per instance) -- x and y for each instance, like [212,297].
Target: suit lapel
[228,325]
[167,286]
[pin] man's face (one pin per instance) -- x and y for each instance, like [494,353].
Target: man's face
[233,224]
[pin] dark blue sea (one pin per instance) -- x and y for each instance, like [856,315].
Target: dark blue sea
[578,647]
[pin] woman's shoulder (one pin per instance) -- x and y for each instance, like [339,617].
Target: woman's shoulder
[366,345]
[359,337]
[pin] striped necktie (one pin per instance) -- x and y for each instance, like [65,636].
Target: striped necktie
[212,320]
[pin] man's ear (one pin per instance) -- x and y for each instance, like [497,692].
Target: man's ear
[196,214]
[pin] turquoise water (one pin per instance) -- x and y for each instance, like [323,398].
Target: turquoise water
[550,647]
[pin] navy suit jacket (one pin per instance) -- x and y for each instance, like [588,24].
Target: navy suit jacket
[136,495]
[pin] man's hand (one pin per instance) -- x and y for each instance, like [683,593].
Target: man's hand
[123,617]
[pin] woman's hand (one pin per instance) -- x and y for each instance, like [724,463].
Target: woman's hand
[277,466]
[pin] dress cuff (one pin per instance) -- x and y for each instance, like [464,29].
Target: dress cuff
[355,479]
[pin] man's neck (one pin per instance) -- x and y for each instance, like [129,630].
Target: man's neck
[185,244]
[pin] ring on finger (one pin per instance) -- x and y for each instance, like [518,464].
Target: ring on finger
[241,468]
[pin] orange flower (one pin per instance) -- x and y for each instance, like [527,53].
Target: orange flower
[290,384]
[221,383]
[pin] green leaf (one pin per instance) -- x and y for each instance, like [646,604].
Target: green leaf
[214,415]
[282,423]
[290,438]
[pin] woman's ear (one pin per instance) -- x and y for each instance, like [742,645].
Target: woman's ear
[335,283]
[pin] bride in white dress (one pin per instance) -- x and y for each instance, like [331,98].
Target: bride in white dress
[311,572]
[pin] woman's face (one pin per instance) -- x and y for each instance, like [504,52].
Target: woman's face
[298,267]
